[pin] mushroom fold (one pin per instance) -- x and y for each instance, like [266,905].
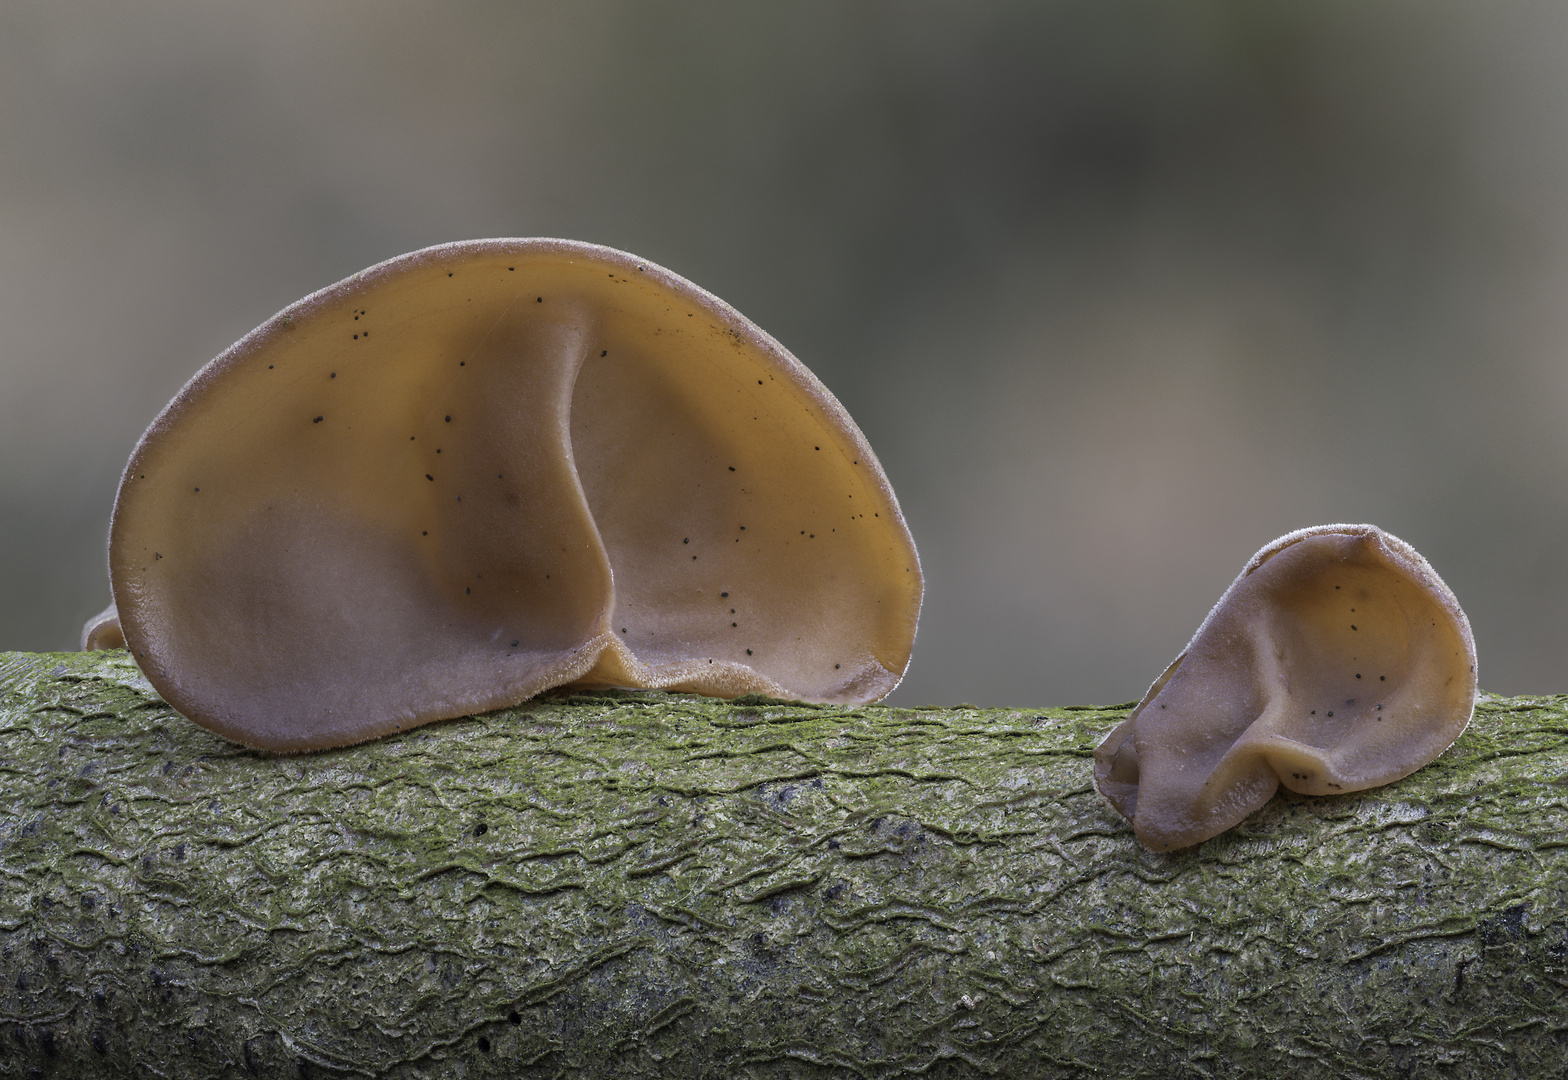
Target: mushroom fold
[485,469]
[1337,661]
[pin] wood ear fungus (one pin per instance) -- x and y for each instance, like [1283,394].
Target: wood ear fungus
[1337,661]
[484,469]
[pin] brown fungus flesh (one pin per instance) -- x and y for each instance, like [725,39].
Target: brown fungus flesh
[102,631]
[1337,661]
[481,470]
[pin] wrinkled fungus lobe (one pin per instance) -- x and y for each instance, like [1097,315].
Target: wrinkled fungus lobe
[484,469]
[1337,661]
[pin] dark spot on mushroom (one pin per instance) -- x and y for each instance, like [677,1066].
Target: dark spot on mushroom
[429,477]
[318,420]
[1352,626]
[333,375]
[514,643]
[835,667]
[1331,712]
[748,652]
[604,352]
[723,594]
[1358,674]
[732,468]
[687,540]
[449,419]
[1381,678]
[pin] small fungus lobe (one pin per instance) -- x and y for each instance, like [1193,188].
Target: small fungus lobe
[1232,724]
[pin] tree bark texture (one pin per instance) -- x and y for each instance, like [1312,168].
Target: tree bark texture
[645,884]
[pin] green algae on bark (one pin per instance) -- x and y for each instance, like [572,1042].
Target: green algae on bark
[643,884]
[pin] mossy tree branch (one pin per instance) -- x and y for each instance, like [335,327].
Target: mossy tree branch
[658,885]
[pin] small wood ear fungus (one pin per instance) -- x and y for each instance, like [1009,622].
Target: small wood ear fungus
[1337,661]
[484,469]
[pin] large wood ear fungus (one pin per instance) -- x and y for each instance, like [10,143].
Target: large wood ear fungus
[1338,660]
[484,469]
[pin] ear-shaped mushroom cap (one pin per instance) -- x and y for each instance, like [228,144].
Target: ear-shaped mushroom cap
[484,469]
[1337,661]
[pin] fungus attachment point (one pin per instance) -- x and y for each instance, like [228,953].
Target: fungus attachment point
[1266,693]
[311,598]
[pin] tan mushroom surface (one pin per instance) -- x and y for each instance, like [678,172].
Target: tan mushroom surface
[1337,661]
[488,468]
[102,631]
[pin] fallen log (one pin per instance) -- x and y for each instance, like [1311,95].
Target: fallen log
[646,884]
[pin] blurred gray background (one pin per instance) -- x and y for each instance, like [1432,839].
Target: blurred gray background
[1119,292]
